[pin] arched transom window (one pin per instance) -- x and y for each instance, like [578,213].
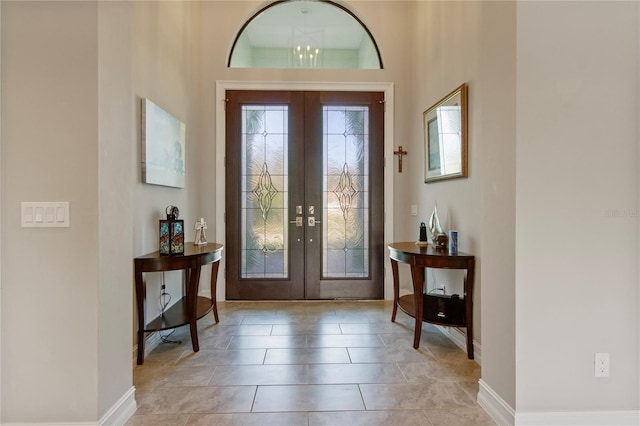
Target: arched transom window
[304,34]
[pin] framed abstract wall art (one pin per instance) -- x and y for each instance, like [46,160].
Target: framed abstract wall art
[163,147]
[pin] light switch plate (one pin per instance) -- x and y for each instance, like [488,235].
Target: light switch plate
[49,214]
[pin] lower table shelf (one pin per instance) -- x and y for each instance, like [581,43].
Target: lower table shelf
[438,310]
[176,315]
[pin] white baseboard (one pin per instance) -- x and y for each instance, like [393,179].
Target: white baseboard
[494,405]
[150,343]
[460,339]
[580,418]
[115,416]
[121,411]
[504,415]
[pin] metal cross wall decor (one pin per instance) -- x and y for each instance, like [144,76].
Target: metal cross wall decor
[400,153]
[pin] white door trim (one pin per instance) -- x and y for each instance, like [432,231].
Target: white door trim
[223,85]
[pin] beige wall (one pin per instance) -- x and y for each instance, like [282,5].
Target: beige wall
[471,42]
[50,153]
[117,139]
[494,117]
[434,51]
[71,99]
[577,216]
[164,69]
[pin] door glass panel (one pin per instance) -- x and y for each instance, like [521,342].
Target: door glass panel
[345,238]
[265,196]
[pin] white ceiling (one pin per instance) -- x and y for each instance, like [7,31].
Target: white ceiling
[305,22]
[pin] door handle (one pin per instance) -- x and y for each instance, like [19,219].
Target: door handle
[311,220]
[298,221]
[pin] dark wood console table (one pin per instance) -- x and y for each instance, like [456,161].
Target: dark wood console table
[419,258]
[191,307]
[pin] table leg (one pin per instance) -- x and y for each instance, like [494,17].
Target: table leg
[140,306]
[192,304]
[468,299]
[214,281]
[417,277]
[396,288]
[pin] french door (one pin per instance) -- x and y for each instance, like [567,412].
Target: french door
[304,195]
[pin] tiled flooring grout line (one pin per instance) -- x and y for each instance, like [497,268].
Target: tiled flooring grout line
[367,372]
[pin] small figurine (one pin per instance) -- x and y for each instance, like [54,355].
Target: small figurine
[201,236]
[438,237]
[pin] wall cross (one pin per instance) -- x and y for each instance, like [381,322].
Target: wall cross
[400,153]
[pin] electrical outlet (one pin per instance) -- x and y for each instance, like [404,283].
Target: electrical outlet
[601,365]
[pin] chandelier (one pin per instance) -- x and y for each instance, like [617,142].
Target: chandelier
[306,57]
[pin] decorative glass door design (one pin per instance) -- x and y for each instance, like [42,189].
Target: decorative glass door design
[264,192]
[345,187]
[304,212]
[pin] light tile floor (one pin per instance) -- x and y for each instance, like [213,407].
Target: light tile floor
[308,363]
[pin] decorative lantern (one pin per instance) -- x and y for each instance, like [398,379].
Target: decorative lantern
[172,233]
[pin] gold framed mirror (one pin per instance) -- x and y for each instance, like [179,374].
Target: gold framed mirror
[445,137]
